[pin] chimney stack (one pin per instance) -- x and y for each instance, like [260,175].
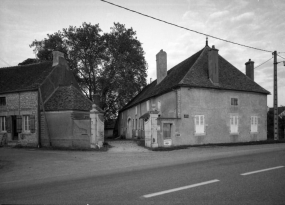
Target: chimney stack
[56,56]
[161,66]
[249,69]
[213,65]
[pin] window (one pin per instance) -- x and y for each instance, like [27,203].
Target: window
[136,124]
[136,110]
[199,124]
[234,101]
[253,123]
[167,130]
[234,121]
[133,124]
[2,123]
[2,101]
[26,123]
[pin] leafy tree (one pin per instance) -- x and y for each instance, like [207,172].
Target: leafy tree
[110,64]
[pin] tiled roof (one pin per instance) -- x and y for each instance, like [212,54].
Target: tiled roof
[193,72]
[26,77]
[68,98]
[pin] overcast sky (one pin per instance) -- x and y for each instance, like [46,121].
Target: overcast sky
[257,23]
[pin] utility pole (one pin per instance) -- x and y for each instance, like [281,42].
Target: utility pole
[275,97]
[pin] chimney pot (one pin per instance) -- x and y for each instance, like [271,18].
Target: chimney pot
[161,66]
[249,69]
[56,56]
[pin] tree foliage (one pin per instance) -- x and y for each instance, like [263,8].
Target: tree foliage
[109,64]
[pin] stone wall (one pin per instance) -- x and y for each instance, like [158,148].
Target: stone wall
[20,104]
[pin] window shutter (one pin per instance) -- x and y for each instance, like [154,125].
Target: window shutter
[19,123]
[9,124]
[32,123]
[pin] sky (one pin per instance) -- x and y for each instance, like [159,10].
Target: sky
[256,23]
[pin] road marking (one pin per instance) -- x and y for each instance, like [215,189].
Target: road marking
[180,188]
[262,170]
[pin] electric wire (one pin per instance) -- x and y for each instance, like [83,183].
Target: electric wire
[263,63]
[281,56]
[185,27]
[5,62]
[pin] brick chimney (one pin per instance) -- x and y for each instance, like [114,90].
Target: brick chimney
[56,56]
[213,65]
[161,66]
[249,69]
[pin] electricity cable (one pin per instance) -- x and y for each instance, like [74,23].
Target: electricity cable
[281,56]
[185,27]
[263,63]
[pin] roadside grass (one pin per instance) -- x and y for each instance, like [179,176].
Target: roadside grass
[105,148]
[170,148]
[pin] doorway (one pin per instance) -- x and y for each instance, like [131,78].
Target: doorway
[129,129]
[15,135]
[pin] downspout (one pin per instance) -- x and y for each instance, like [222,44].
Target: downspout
[46,123]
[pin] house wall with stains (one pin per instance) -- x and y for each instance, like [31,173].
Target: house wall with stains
[215,106]
[70,129]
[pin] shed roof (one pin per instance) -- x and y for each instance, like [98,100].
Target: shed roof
[193,72]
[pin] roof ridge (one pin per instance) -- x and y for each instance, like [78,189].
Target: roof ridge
[204,50]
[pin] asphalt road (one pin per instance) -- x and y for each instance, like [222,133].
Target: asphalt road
[257,178]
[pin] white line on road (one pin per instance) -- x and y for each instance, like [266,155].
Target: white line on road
[262,170]
[180,188]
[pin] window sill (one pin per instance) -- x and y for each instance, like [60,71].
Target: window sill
[199,134]
[234,133]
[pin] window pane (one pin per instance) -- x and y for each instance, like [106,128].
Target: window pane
[202,120]
[197,119]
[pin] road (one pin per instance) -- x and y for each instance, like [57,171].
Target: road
[250,178]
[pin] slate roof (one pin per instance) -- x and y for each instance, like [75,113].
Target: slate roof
[68,98]
[23,78]
[193,72]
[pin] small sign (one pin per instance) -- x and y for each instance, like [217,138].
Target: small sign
[167,142]
[186,116]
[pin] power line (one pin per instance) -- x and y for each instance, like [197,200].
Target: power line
[263,63]
[281,56]
[185,27]
[5,62]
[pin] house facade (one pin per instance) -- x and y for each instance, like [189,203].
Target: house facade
[202,100]
[41,105]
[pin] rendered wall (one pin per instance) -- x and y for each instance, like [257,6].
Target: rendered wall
[69,129]
[215,105]
[168,109]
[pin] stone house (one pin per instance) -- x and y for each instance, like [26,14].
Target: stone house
[202,100]
[41,105]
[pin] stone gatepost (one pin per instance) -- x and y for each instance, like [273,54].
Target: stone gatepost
[97,127]
[151,128]
[154,129]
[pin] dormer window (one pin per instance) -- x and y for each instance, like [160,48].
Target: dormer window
[234,101]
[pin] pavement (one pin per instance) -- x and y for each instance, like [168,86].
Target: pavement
[23,165]
[125,146]
[43,176]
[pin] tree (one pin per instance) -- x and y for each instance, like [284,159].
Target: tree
[110,64]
